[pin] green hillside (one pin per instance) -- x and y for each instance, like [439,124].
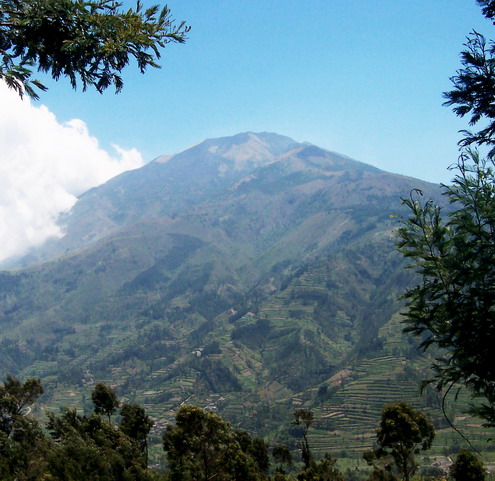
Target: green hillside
[248,275]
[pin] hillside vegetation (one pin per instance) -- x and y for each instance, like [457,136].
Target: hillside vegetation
[250,275]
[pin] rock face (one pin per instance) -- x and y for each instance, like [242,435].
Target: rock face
[253,268]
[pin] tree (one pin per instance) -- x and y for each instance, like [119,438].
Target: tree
[202,446]
[90,448]
[471,95]
[281,477]
[304,418]
[88,41]
[104,399]
[281,454]
[467,467]
[324,470]
[22,443]
[136,424]
[380,475]
[14,398]
[453,306]
[79,448]
[474,85]
[403,432]
[488,8]
[23,452]
[257,448]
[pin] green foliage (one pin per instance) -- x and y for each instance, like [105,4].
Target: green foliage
[91,448]
[380,475]
[21,439]
[14,397]
[104,399]
[471,95]
[323,470]
[24,451]
[453,307]
[88,41]
[488,8]
[257,448]
[136,424]
[304,418]
[474,85]
[403,432]
[467,467]
[282,455]
[201,446]
[282,477]
[216,376]
[84,446]
[252,335]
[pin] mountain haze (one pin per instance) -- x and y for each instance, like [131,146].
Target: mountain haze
[202,172]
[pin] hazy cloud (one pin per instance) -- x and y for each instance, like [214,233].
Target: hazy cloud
[44,165]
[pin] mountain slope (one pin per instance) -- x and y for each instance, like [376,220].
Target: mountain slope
[278,203]
[253,269]
[197,175]
[162,188]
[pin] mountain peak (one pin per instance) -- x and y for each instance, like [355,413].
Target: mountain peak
[242,151]
[227,156]
[275,143]
[173,185]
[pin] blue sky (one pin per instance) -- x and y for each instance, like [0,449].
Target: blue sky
[361,77]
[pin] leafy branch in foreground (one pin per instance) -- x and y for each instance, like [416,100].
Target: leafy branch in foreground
[454,305]
[474,90]
[474,85]
[88,41]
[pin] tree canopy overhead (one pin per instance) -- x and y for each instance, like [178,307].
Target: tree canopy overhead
[88,41]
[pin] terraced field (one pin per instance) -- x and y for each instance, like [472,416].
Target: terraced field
[295,350]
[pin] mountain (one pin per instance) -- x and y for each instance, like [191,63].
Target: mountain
[167,186]
[216,221]
[249,274]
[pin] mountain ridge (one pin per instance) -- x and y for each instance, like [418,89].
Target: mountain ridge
[199,172]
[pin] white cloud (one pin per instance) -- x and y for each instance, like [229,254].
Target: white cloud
[44,165]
